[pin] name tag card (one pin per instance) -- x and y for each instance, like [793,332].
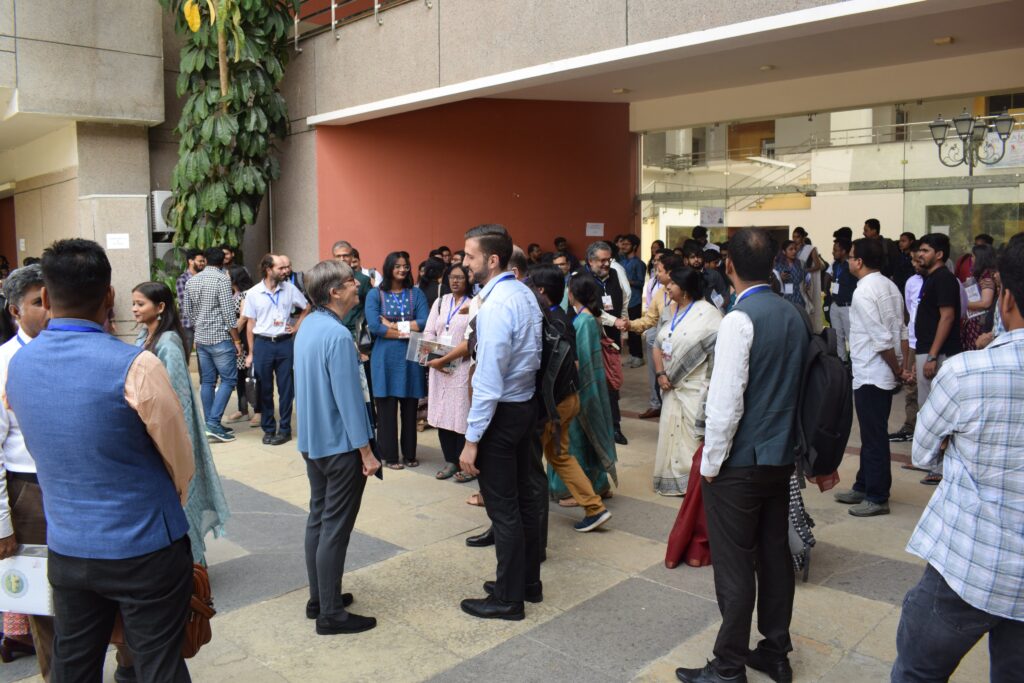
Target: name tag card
[24,586]
[835,287]
[606,301]
[787,288]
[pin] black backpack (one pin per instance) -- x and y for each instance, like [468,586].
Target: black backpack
[824,412]
[556,355]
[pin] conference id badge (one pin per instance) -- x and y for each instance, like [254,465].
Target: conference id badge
[835,288]
[445,339]
[787,288]
[973,293]
[666,348]
[717,299]
[278,322]
[606,301]
[404,327]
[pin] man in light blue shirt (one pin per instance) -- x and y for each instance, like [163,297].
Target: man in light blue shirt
[334,440]
[501,423]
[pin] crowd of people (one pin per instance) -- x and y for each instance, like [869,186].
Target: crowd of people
[515,357]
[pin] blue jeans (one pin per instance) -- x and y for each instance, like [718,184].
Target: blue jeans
[937,628]
[874,476]
[216,360]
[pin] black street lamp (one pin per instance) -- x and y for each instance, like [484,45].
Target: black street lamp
[971,146]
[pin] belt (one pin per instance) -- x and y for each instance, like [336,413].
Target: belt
[30,477]
[840,305]
[278,338]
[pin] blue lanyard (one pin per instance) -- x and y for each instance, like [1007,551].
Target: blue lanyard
[553,308]
[452,310]
[603,283]
[275,299]
[398,301]
[72,328]
[21,341]
[676,319]
[750,291]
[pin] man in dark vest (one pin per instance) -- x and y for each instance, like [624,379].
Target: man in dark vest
[748,461]
[613,300]
[114,472]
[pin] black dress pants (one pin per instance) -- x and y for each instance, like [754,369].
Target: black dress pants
[387,428]
[336,485]
[451,444]
[874,476]
[152,593]
[508,480]
[748,522]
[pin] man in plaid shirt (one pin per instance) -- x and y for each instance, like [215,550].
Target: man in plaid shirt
[972,532]
[210,306]
[196,261]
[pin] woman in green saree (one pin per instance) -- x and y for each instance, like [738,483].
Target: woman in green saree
[591,434]
[206,509]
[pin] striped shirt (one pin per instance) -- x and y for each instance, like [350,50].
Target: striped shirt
[210,305]
[972,531]
[182,281]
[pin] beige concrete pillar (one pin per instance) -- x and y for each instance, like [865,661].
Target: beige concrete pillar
[113,186]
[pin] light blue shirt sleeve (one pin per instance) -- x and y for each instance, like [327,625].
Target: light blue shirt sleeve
[342,369]
[420,307]
[493,357]
[373,314]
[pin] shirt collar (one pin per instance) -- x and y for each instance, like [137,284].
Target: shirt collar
[24,337]
[1008,337]
[486,291]
[75,321]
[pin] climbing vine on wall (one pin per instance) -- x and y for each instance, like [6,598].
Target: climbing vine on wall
[232,63]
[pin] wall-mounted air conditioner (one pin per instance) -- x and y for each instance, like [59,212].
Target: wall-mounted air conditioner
[160,204]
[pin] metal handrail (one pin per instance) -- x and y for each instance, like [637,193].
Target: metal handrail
[311,19]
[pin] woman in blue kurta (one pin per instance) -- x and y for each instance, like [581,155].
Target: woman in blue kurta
[207,508]
[393,310]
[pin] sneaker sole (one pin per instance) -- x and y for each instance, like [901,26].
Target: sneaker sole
[228,438]
[875,513]
[598,522]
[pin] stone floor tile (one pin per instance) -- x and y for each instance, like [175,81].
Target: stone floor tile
[222,549]
[699,581]
[858,668]
[885,580]
[522,659]
[634,516]
[837,619]
[411,527]
[610,547]
[569,580]
[622,629]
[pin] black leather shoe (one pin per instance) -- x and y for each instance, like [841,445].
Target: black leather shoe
[481,540]
[267,439]
[279,439]
[707,675]
[124,674]
[620,438]
[313,608]
[534,592]
[354,623]
[493,608]
[777,669]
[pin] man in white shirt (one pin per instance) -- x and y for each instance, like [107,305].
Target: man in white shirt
[878,354]
[18,481]
[269,305]
[911,297]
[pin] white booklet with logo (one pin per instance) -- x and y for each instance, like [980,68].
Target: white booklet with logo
[24,586]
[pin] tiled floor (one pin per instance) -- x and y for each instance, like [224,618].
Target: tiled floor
[611,610]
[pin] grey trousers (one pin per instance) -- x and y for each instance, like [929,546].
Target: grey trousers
[924,387]
[336,486]
[648,337]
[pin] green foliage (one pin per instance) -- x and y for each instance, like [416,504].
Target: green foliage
[168,268]
[225,153]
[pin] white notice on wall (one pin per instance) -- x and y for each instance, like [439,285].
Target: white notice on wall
[117,240]
[21,244]
[595,229]
[943,229]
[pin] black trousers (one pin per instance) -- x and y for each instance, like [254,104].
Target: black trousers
[636,346]
[336,486]
[274,359]
[613,399]
[387,428]
[508,480]
[451,444]
[748,523]
[874,476]
[152,593]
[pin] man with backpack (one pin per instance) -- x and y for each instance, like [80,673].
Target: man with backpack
[879,353]
[556,388]
[749,447]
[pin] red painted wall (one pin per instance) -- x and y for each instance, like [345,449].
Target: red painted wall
[415,181]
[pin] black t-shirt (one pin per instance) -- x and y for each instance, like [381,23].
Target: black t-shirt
[940,289]
[568,380]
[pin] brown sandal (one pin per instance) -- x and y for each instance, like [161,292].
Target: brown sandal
[395,466]
[476,499]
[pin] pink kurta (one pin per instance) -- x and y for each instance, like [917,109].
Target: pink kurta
[448,394]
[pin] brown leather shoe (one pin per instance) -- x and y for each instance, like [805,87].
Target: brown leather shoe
[650,414]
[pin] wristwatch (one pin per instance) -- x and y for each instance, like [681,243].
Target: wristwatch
[931,359]
[661,374]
